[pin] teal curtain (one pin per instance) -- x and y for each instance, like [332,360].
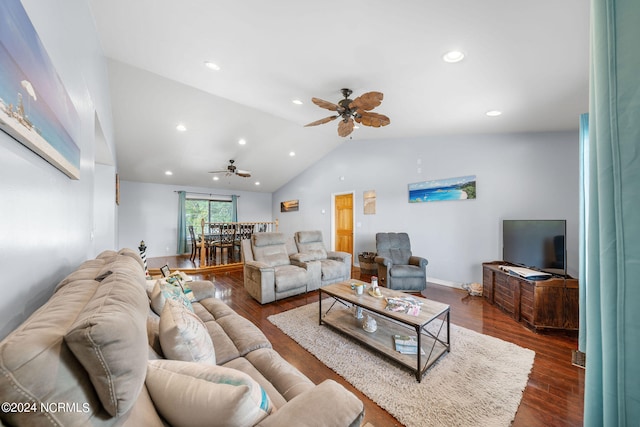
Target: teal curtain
[182,222]
[584,200]
[612,378]
[234,208]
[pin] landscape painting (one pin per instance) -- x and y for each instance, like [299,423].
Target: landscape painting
[35,108]
[459,188]
[289,206]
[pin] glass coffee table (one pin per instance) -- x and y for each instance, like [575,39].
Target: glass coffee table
[430,327]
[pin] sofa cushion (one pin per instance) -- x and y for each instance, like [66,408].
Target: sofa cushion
[87,271]
[202,289]
[109,339]
[233,335]
[286,378]
[133,254]
[332,269]
[316,254]
[395,246]
[270,249]
[272,256]
[267,239]
[310,243]
[191,394]
[183,336]
[290,277]
[406,271]
[36,364]
[153,332]
[309,236]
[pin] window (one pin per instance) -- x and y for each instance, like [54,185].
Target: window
[209,210]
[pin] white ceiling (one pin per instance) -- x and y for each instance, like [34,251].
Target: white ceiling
[527,59]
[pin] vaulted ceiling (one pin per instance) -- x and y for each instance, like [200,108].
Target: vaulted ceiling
[528,60]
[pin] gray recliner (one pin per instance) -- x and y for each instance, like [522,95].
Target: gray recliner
[269,273]
[397,267]
[335,266]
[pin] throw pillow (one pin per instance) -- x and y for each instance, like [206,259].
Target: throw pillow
[163,291]
[183,335]
[193,395]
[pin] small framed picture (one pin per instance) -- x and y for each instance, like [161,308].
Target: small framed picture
[289,206]
[165,271]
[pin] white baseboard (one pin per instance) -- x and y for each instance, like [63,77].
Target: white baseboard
[444,282]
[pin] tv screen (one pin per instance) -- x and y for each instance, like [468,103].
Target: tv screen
[536,244]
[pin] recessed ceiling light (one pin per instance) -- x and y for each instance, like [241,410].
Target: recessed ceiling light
[453,56]
[297,102]
[212,66]
[493,113]
[181,128]
[168,173]
[242,141]
[215,178]
[257,182]
[292,153]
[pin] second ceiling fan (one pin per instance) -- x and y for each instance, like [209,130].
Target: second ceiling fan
[233,170]
[350,111]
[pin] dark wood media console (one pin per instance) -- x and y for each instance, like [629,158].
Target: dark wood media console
[539,304]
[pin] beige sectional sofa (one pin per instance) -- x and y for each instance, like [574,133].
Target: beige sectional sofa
[92,355]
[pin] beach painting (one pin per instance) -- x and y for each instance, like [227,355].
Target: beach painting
[35,108]
[459,188]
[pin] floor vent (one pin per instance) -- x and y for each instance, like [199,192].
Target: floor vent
[578,358]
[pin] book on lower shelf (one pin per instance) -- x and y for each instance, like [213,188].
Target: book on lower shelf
[407,344]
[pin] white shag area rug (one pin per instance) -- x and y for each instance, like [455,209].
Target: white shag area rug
[479,383]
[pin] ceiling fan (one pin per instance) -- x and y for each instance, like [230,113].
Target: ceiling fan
[233,170]
[358,110]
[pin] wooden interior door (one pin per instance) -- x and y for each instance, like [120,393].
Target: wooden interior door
[344,222]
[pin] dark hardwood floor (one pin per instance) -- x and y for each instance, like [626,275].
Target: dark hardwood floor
[554,394]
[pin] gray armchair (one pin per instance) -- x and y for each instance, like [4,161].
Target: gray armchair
[335,266]
[397,268]
[269,273]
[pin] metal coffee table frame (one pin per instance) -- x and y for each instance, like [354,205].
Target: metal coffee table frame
[390,323]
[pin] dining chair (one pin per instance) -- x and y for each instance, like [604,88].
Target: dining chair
[243,232]
[226,239]
[195,244]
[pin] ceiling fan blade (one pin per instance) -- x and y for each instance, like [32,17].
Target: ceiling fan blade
[367,101]
[244,174]
[322,121]
[326,104]
[223,171]
[372,119]
[345,128]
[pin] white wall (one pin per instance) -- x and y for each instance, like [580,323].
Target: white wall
[519,176]
[46,219]
[105,208]
[149,212]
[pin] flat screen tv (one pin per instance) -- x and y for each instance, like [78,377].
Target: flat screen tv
[536,244]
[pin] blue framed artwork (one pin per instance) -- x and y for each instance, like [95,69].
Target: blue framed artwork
[35,109]
[458,188]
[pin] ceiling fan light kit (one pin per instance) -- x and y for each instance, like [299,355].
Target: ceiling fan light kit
[350,111]
[233,170]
